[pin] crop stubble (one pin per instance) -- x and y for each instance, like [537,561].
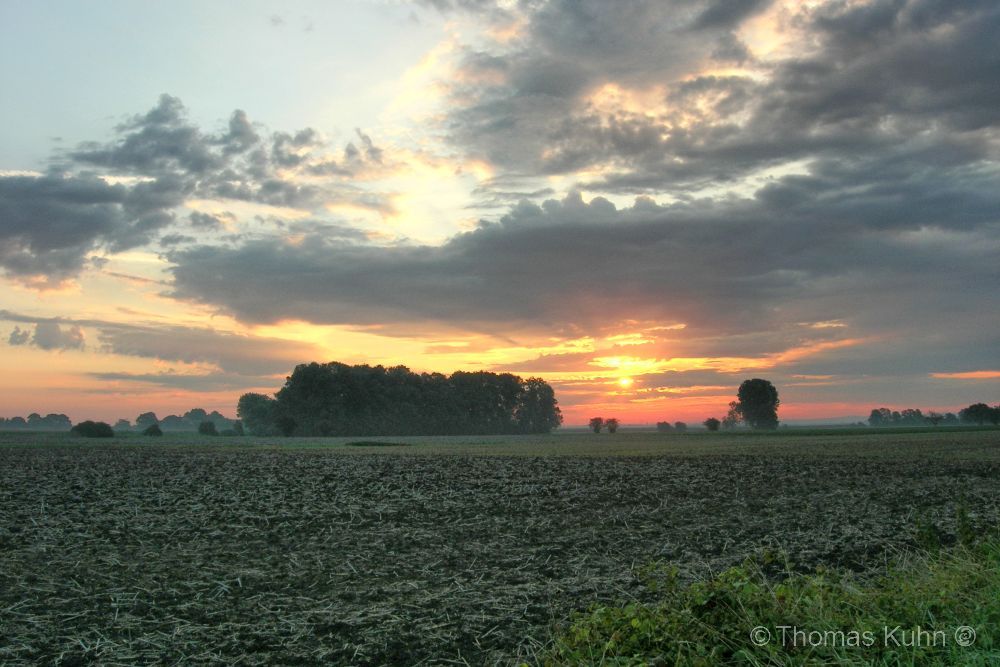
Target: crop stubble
[158,554]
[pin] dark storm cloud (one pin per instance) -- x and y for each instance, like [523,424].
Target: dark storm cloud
[49,224]
[805,249]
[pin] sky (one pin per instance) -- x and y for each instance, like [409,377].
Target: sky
[643,203]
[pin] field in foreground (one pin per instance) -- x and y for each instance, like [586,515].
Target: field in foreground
[454,549]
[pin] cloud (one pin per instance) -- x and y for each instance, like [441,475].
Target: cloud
[230,353]
[49,224]
[49,335]
[121,194]
[19,337]
[865,78]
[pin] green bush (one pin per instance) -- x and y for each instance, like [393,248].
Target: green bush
[92,429]
[207,428]
[710,622]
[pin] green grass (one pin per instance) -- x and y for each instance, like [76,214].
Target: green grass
[710,622]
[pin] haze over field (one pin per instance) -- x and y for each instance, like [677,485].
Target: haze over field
[642,203]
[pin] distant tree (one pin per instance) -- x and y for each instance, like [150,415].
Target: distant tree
[596,424]
[146,419]
[880,417]
[933,418]
[123,425]
[238,427]
[153,430]
[977,413]
[912,417]
[733,417]
[664,427]
[207,428]
[758,403]
[680,427]
[712,424]
[92,429]
[951,419]
[611,424]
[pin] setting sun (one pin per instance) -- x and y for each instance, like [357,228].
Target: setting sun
[625,382]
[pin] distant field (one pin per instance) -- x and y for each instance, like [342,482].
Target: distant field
[193,549]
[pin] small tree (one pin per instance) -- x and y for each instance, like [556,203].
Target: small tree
[207,428]
[664,427]
[612,424]
[934,418]
[92,429]
[153,429]
[596,424]
[733,417]
[712,424]
[680,427]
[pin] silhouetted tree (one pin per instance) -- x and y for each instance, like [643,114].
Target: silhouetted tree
[712,424]
[664,427]
[933,418]
[951,419]
[977,413]
[880,417]
[611,424]
[258,413]
[207,427]
[153,429]
[596,424]
[758,403]
[680,427]
[146,419]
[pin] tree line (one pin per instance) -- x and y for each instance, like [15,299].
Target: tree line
[192,420]
[977,413]
[36,422]
[335,399]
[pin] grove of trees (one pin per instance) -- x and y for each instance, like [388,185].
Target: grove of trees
[36,422]
[977,413]
[335,399]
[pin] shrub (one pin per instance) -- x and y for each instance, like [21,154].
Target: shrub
[713,621]
[92,429]
[152,429]
[207,428]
